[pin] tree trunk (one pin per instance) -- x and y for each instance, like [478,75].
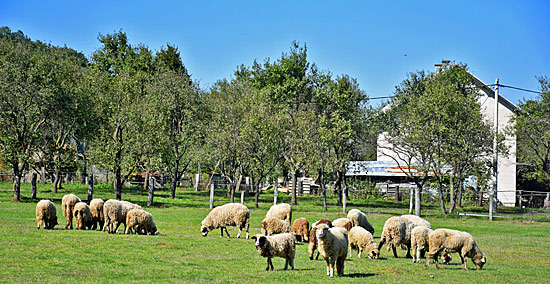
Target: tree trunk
[175,178]
[33,185]
[57,177]
[452,193]
[256,191]
[90,179]
[300,187]
[441,197]
[338,187]
[118,184]
[411,201]
[16,183]
[418,199]
[459,188]
[237,187]
[151,194]
[146,180]
[294,183]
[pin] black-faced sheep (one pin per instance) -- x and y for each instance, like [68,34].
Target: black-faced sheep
[281,245]
[343,223]
[313,238]
[282,211]
[274,225]
[394,234]
[46,214]
[115,212]
[362,240]
[449,241]
[420,244]
[141,222]
[333,246]
[359,218]
[82,216]
[301,229]
[67,205]
[96,206]
[231,214]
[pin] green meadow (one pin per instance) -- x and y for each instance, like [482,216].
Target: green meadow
[517,246]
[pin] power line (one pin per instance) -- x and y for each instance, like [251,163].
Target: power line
[516,88]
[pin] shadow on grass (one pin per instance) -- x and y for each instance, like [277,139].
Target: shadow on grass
[359,275]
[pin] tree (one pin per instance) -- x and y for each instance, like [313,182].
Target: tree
[532,127]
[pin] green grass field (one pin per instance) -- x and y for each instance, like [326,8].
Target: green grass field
[517,247]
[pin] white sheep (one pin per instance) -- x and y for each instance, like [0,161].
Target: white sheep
[115,212]
[67,205]
[333,246]
[281,245]
[82,216]
[313,237]
[141,222]
[282,211]
[343,223]
[301,229]
[46,214]
[274,225]
[417,221]
[362,240]
[231,214]
[359,218]
[449,241]
[96,206]
[420,244]
[394,233]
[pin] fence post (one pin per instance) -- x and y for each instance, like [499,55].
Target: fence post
[242,197]
[90,181]
[43,175]
[197,177]
[211,196]
[546,201]
[397,193]
[344,199]
[275,193]
[411,204]
[520,198]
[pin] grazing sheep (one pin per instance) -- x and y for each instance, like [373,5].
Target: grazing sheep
[282,211]
[333,246]
[231,214]
[115,212]
[359,218]
[417,221]
[67,205]
[96,206]
[141,222]
[301,229]
[313,238]
[395,233]
[82,216]
[343,223]
[362,240]
[46,214]
[449,241]
[281,245]
[420,244]
[274,225]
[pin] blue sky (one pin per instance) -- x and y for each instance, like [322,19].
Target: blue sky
[376,42]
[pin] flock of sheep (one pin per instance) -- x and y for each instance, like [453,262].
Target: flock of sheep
[109,215]
[333,239]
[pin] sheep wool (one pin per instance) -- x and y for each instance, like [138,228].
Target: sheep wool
[301,229]
[115,212]
[96,206]
[394,233]
[359,218]
[282,211]
[281,245]
[313,238]
[46,214]
[333,247]
[449,241]
[274,225]
[343,223]
[67,205]
[231,214]
[362,240]
[140,221]
[82,216]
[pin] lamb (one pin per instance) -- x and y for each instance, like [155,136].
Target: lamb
[281,245]
[115,212]
[343,223]
[313,238]
[420,244]
[231,214]
[141,222]
[359,218]
[449,241]
[362,240]
[274,225]
[282,211]
[82,216]
[46,214]
[301,229]
[67,204]
[333,246]
[96,206]
[394,233]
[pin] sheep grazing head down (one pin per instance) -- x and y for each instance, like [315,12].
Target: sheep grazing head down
[479,260]
[205,230]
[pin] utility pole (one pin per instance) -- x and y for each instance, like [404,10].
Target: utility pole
[493,192]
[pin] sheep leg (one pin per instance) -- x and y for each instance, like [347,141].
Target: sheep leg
[408,252]
[428,259]
[292,263]
[463,262]
[269,264]
[340,266]
[222,231]
[239,234]
[286,264]
[359,251]
[317,257]
[225,228]
[436,258]
[328,267]
[331,267]
[393,247]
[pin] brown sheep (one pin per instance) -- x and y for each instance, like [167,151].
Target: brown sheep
[301,229]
